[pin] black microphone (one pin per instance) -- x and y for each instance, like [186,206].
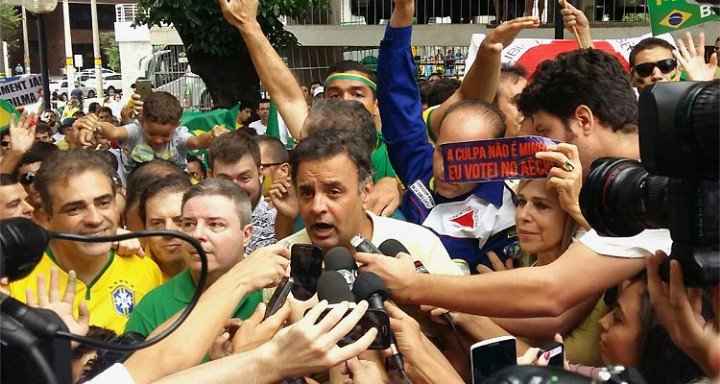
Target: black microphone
[27,316]
[369,286]
[333,287]
[339,259]
[22,244]
[392,247]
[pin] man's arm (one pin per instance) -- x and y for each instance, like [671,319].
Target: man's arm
[481,81]
[22,137]
[274,74]
[399,99]
[204,140]
[216,305]
[548,290]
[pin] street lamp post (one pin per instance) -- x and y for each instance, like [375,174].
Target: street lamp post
[39,8]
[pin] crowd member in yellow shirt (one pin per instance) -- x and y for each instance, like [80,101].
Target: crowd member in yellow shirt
[78,196]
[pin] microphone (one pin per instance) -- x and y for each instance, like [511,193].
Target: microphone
[369,286]
[27,316]
[333,287]
[22,244]
[392,247]
[339,259]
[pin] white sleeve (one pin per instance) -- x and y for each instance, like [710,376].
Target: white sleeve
[116,374]
[643,244]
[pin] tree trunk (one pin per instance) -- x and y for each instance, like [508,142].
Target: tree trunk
[228,79]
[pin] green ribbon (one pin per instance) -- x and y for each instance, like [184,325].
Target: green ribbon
[351,76]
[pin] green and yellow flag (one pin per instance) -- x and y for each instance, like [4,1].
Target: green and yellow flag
[673,15]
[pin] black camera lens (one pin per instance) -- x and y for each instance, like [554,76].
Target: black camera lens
[621,199]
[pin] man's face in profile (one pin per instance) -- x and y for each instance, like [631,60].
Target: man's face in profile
[654,65]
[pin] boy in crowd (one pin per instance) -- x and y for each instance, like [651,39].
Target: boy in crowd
[155,134]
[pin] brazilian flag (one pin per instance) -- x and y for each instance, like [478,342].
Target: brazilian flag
[7,111]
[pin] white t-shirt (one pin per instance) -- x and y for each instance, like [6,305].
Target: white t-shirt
[422,244]
[258,126]
[643,244]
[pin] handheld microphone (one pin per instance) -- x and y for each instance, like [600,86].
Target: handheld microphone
[362,244]
[339,259]
[392,247]
[370,287]
[22,244]
[333,287]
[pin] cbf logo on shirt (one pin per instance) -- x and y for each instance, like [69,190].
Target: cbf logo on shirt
[123,299]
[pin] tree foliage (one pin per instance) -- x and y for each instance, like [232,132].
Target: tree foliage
[201,25]
[111,50]
[11,24]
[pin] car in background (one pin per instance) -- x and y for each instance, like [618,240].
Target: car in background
[112,82]
[60,86]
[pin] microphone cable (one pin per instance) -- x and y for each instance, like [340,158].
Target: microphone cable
[175,324]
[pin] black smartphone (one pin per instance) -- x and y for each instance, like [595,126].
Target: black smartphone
[305,268]
[491,355]
[373,318]
[556,354]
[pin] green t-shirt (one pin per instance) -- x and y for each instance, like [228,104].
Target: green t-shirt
[168,299]
[381,161]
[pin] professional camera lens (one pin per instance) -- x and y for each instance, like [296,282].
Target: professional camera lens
[620,198]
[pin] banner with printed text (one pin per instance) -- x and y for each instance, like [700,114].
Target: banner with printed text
[21,90]
[672,15]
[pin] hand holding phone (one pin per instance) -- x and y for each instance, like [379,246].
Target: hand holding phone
[492,355]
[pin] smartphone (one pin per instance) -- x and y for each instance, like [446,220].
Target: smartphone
[306,262]
[556,354]
[373,318]
[143,88]
[491,355]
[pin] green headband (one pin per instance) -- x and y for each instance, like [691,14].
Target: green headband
[351,76]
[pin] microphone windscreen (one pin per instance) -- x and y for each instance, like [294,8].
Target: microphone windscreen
[22,244]
[339,258]
[333,287]
[392,247]
[368,283]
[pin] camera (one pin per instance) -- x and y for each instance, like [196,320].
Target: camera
[676,184]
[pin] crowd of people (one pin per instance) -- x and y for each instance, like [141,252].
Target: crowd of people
[501,258]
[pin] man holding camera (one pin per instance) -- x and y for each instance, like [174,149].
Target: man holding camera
[585,99]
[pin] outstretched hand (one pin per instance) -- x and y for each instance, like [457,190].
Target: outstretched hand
[506,32]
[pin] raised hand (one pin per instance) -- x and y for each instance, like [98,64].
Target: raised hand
[506,32]
[60,303]
[691,57]
[239,12]
[576,22]
[22,132]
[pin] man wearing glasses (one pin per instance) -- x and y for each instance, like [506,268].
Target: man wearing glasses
[655,60]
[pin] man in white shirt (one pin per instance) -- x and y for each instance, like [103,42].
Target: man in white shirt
[263,111]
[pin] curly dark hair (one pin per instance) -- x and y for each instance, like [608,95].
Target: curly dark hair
[584,77]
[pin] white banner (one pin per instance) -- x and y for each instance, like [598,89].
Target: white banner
[512,53]
[21,90]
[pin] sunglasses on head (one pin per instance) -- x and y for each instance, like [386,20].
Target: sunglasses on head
[27,178]
[646,69]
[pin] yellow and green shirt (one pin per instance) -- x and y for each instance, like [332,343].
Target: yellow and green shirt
[111,297]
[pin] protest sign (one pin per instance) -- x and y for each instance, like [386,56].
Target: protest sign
[495,159]
[21,90]
[673,15]
[529,53]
